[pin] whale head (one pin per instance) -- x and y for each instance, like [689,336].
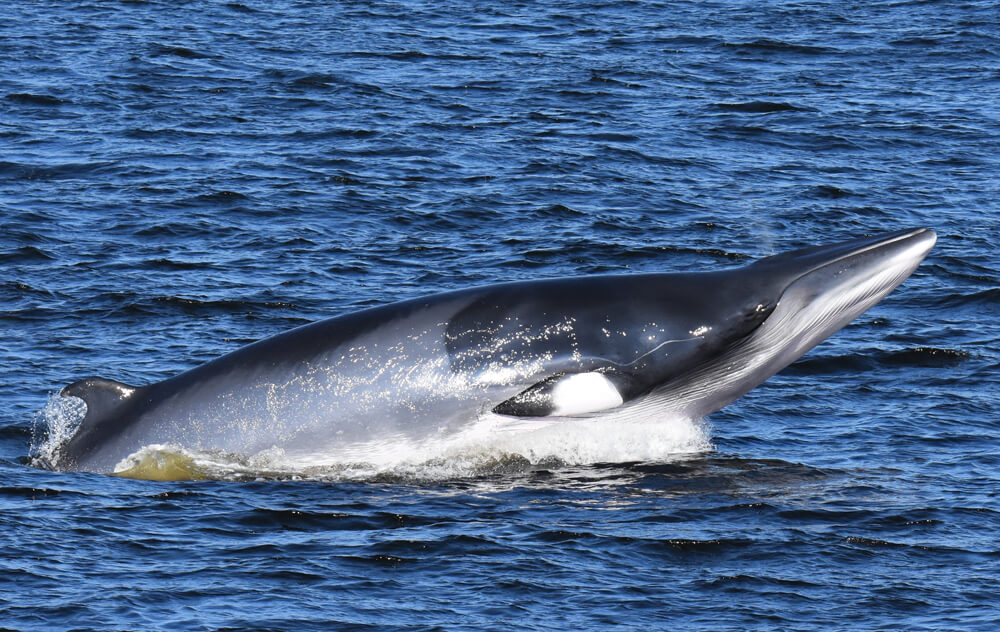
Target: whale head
[810,294]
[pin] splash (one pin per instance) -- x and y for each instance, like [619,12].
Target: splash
[52,426]
[493,446]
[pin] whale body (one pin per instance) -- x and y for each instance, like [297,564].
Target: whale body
[608,346]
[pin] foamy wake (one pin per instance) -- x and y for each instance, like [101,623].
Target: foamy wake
[491,446]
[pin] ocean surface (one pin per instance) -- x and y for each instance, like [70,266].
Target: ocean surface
[178,179]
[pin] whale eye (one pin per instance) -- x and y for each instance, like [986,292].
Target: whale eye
[754,317]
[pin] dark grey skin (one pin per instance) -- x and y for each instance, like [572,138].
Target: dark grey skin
[620,347]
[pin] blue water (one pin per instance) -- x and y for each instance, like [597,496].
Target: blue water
[180,178]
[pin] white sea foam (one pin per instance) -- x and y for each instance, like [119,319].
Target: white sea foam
[492,445]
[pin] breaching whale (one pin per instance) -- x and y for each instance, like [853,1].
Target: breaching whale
[618,346]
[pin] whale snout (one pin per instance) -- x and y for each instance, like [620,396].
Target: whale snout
[910,246]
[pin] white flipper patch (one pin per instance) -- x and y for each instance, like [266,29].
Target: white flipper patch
[580,393]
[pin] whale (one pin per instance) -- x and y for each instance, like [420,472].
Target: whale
[613,347]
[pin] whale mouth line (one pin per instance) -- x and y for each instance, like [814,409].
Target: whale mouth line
[811,307]
[836,296]
[830,294]
[835,292]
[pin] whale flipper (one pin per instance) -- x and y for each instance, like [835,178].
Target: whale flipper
[102,396]
[566,395]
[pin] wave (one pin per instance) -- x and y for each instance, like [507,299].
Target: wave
[29,98]
[757,107]
[52,172]
[780,46]
[857,362]
[989,296]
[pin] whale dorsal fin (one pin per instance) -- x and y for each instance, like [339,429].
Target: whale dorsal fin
[566,395]
[103,397]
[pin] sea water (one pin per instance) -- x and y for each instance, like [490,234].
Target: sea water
[180,179]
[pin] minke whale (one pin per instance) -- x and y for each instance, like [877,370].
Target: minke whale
[612,346]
